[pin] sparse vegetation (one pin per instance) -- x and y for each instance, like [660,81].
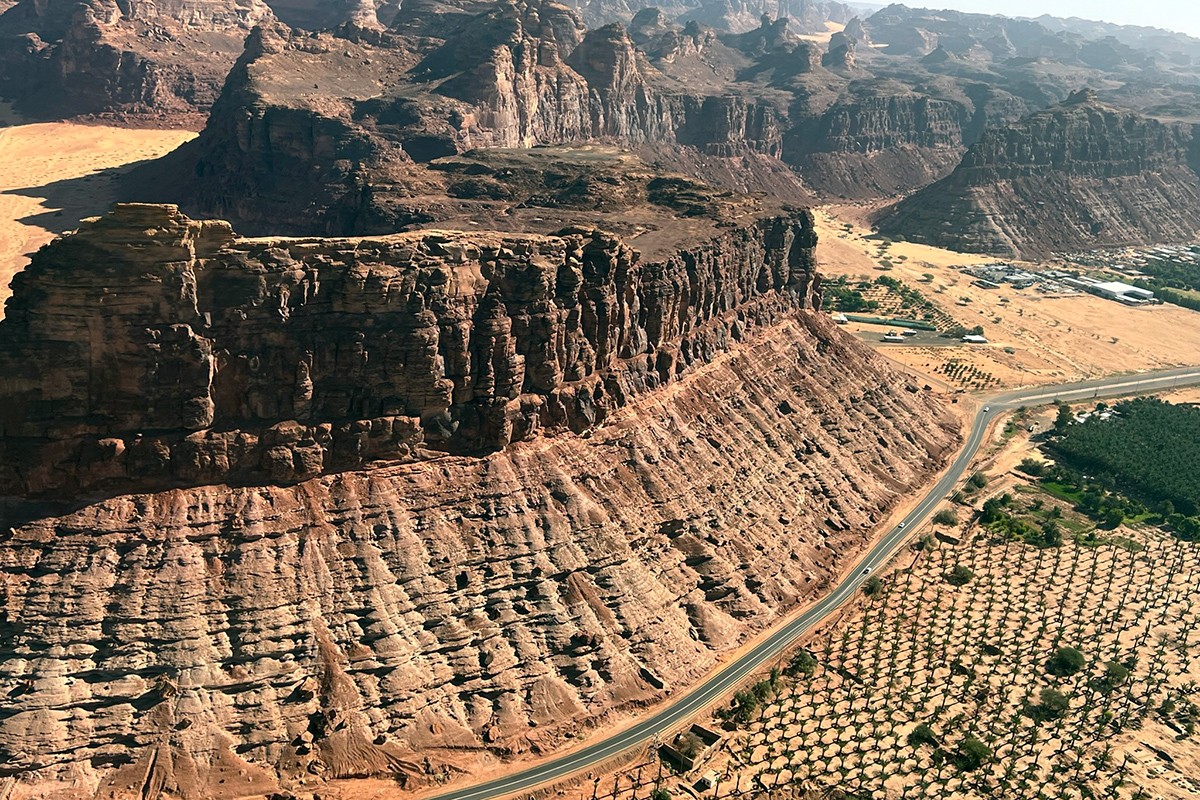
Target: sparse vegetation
[929,691]
[946,517]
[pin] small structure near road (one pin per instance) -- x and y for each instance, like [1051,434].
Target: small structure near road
[708,780]
[690,748]
[974,338]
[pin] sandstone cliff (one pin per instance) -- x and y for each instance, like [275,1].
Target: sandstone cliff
[686,451]
[333,134]
[1080,175]
[163,60]
[211,359]
[354,157]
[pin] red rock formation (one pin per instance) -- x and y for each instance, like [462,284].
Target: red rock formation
[711,452]
[181,355]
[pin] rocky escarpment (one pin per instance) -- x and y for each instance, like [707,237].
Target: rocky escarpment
[332,134]
[277,152]
[155,60]
[878,140]
[1080,175]
[692,452]
[149,350]
[316,15]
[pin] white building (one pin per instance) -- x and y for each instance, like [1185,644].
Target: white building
[1123,292]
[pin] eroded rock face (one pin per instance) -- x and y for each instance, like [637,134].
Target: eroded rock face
[165,59]
[880,139]
[1080,175]
[150,350]
[411,620]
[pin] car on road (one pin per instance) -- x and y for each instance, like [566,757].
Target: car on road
[866,570]
[986,409]
[902,524]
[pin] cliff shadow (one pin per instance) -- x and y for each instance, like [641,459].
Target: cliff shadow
[70,200]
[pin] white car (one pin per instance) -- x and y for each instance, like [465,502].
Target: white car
[902,524]
[986,409]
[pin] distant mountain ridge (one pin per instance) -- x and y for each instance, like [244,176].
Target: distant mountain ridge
[1078,175]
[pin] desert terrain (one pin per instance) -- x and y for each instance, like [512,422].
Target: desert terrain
[1032,338]
[54,174]
[460,395]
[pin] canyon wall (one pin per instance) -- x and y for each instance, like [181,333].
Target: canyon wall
[1079,175]
[149,350]
[676,453]
[162,61]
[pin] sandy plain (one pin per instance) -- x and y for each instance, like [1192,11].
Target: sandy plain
[1033,338]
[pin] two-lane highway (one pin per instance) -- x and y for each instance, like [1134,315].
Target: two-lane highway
[680,709]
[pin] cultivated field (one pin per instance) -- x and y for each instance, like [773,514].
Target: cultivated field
[982,665]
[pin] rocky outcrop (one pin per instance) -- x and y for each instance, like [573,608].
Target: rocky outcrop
[316,15]
[1080,175]
[738,16]
[277,152]
[499,487]
[878,140]
[182,355]
[162,60]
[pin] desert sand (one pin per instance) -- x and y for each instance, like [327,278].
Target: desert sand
[54,174]
[1033,338]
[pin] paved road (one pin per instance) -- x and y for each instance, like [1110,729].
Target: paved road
[680,710]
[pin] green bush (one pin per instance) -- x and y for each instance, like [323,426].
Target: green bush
[922,734]
[802,663]
[972,754]
[1052,704]
[1031,466]
[945,517]
[1065,662]
[959,576]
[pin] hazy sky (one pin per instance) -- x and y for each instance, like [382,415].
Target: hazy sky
[1177,15]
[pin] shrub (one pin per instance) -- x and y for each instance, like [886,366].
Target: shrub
[1065,662]
[1052,704]
[873,586]
[660,794]
[945,517]
[1031,466]
[978,480]
[1115,673]
[972,754]
[959,576]
[922,734]
[802,663]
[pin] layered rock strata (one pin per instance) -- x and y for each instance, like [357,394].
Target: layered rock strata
[665,457]
[149,350]
[1080,175]
[710,452]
